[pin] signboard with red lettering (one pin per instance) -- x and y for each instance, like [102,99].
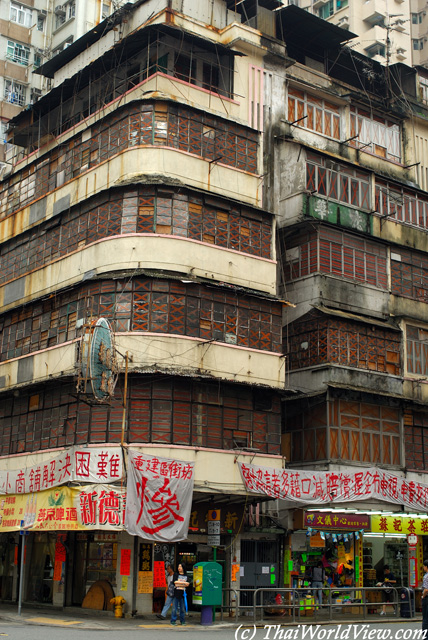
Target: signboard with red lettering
[125,562]
[324,487]
[159,578]
[332,520]
[399,524]
[37,472]
[159,497]
[412,540]
[64,509]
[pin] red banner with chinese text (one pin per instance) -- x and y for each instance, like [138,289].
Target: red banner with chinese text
[159,497]
[324,487]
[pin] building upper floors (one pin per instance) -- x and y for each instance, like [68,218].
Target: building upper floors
[385,30]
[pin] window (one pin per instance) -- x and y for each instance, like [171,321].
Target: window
[313,113]
[3,129]
[423,85]
[17,52]
[418,44]
[417,18]
[339,254]
[105,11]
[40,22]
[416,439]
[357,431]
[401,205]
[327,10]
[14,92]
[20,15]
[376,50]
[409,275]
[37,60]
[331,7]
[59,20]
[417,350]
[338,182]
[376,134]
[185,68]
[71,11]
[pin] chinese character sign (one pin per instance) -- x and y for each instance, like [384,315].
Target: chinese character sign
[336,520]
[93,506]
[323,487]
[45,471]
[159,497]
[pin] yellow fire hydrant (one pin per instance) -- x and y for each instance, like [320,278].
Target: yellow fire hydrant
[118,602]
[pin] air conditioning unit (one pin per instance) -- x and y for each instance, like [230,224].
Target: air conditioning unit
[67,44]
[60,9]
[344,22]
[42,12]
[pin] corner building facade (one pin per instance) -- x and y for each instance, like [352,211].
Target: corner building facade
[139,200]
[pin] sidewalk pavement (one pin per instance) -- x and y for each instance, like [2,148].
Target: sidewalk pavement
[105,620]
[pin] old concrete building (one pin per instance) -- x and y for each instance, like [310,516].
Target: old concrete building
[31,33]
[347,179]
[139,200]
[245,200]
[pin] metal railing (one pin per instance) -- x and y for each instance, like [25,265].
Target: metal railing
[299,603]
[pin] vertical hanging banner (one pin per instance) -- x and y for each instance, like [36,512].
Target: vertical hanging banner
[159,497]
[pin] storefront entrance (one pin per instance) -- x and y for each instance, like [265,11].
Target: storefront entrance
[8,549]
[95,558]
[41,557]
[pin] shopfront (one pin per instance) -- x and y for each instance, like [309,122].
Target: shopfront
[332,538]
[355,547]
[154,558]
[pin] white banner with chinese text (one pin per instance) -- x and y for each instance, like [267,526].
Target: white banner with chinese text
[323,487]
[38,472]
[159,497]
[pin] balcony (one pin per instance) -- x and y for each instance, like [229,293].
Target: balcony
[374,12]
[376,48]
[317,4]
[194,357]
[401,55]
[185,257]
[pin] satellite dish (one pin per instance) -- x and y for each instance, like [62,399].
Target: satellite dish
[98,361]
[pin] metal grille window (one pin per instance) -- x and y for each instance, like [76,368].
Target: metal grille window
[401,205]
[20,15]
[14,92]
[338,182]
[416,438]
[367,433]
[409,275]
[357,432]
[313,113]
[17,52]
[376,134]
[316,339]
[417,350]
[339,254]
